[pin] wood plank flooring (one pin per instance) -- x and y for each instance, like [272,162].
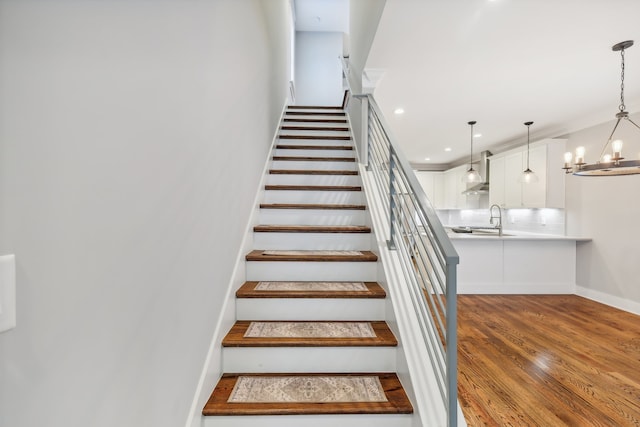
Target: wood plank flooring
[547,360]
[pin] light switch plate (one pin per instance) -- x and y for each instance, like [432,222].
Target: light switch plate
[7,292]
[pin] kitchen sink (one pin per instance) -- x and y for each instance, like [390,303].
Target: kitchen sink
[479,231]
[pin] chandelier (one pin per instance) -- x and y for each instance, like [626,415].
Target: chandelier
[608,164]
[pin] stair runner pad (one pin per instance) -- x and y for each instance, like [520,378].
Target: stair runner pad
[310,330]
[313,389]
[311,286]
[289,253]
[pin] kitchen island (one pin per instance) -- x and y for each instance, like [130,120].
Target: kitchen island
[516,263]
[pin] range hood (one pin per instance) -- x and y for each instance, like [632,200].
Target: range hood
[483,170]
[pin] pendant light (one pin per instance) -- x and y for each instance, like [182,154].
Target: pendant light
[528,176]
[471,176]
[608,164]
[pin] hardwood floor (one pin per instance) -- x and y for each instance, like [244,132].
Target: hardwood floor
[547,360]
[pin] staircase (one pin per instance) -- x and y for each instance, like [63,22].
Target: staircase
[311,345]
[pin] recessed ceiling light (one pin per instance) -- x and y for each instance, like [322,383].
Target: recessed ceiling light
[477,135]
[398,111]
[447,149]
[427,158]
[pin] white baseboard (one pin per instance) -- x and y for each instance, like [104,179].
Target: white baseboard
[612,300]
[212,369]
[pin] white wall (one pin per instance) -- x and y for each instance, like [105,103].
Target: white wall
[607,210]
[317,68]
[127,176]
[364,16]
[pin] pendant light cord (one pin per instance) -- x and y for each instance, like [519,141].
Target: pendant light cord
[471,145]
[528,125]
[622,106]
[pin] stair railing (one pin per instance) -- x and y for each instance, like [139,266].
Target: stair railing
[427,256]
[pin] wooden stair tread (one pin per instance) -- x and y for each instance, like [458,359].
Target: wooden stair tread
[312,229]
[313,187]
[373,291]
[311,172]
[310,120]
[383,337]
[311,206]
[316,128]
[397,400]
[311,256]
[314,107]
[322,137]
[315,113]
[313,159]
[314,147]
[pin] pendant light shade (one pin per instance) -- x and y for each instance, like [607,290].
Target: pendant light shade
[528,176]
[471,176]
[612,163]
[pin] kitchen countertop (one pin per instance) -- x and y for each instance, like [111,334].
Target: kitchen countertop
[488,234]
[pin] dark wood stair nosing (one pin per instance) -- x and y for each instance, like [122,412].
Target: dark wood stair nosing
[313,159]
[308,120]
[316,128]
[397,401]
[383,336]
[312,206]
[317,137]
[315,113]
[322,229]
[248,290]
[312,172]
[314,147]
[314,107]
[260,256]
[272,187]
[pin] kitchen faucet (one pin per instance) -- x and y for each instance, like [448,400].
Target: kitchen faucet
[499,217]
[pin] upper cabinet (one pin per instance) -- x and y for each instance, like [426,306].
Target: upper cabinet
[432,184]
[506,189]
[444,189]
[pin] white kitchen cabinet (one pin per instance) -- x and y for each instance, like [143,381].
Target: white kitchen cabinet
[513,188]
[453,188]
[432,184]
[496,178]
[508,191]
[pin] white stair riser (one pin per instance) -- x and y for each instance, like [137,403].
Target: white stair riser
[313,165]
[356,309]
[322,115]
[314,197]
[340,142]
[312,241]
[308,359]
[314,153]
[313,217]
[311,271]
[322,133]
[287,179]
[352,420]
[328,109]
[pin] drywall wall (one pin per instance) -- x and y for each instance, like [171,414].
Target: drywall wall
[364,17]
[132,138]
[607,210]
[317,68]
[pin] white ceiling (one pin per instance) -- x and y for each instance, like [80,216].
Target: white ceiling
[322,15]
[502,63]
